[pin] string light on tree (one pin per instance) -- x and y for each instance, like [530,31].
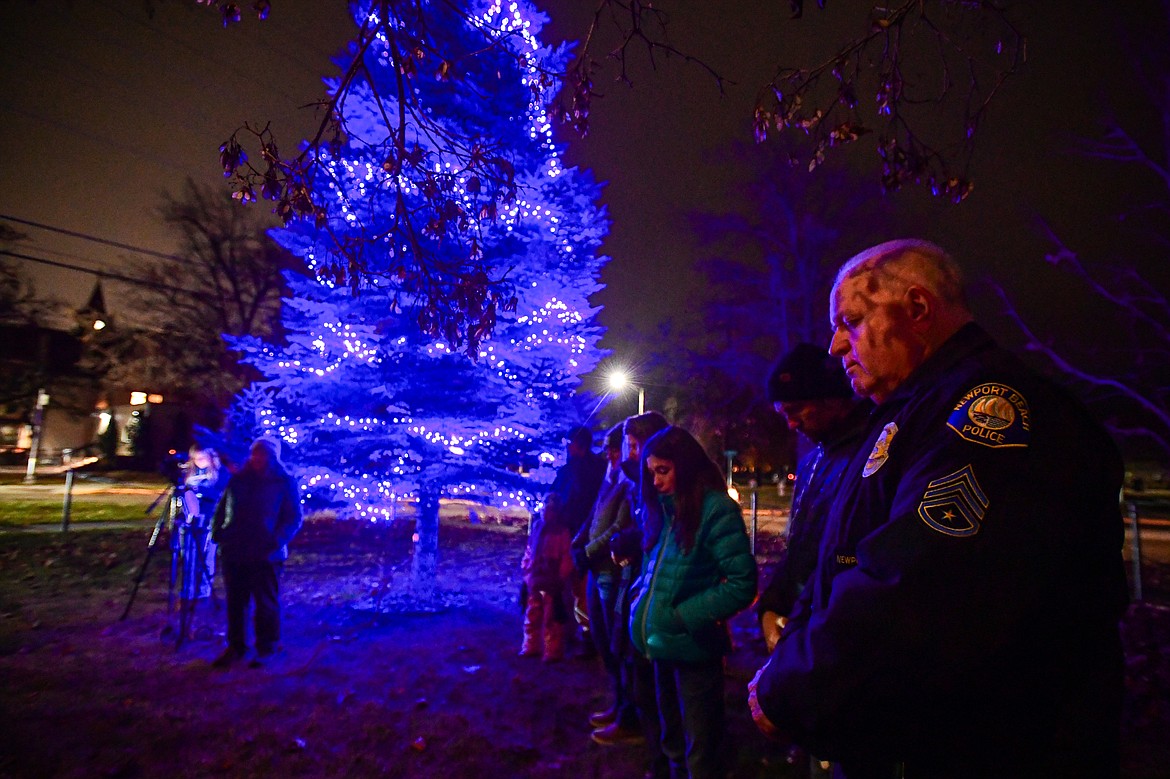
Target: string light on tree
[374,411]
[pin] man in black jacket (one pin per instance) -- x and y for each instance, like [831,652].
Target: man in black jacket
[577,483]
[255,520]
[809,388]
[626,547]
[579,479]
[963,620]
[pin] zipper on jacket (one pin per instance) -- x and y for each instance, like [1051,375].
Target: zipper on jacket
[805,484]
[665,537]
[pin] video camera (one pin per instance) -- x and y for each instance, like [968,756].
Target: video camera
[173,466]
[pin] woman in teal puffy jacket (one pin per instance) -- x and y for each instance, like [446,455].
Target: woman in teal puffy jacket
[699,572]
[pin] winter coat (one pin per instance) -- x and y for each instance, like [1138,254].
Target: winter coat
[611,513]
[963,618]
[683,601]
[577,482]
[817,479]
[626,544]
[201,490]
[257,516]
[546,565]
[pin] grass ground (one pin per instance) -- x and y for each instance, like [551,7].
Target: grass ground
[127,497]
[365,687]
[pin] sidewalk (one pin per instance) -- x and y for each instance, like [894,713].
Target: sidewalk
[55,527]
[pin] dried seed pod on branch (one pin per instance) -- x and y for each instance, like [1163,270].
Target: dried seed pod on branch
[921,77]
[433,182]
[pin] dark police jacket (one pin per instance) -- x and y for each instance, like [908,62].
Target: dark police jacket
[818,478]
[963,618]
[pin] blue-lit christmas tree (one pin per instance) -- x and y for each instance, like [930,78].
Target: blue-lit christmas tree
[375,410]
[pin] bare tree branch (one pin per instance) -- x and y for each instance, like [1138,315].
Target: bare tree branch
[442,267]
[1110,385]
[229,280]
[864,88]
[830,102]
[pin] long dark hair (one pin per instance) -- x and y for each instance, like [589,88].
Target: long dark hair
[695,474]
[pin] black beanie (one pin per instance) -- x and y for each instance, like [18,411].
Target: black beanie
[808,372]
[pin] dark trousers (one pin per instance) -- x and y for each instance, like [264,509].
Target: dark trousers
[256,581]
[645,695]
[690,704]
[603,621]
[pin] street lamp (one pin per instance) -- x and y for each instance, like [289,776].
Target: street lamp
[619,380]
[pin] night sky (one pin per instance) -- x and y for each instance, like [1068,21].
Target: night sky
[106,103]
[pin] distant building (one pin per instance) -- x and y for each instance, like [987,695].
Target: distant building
[57,402]
[42,379]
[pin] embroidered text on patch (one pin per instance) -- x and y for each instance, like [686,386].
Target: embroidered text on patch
[881,450]
[993,415]
[954,505]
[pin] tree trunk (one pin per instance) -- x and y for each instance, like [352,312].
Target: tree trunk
[426,548]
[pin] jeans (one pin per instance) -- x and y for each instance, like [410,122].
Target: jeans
[690,706]
[196,561]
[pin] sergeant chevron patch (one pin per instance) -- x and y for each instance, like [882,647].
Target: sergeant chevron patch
[954,505]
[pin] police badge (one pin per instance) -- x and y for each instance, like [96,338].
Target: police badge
[881,450]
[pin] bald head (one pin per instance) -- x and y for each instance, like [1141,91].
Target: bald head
[894,266]
[891,307]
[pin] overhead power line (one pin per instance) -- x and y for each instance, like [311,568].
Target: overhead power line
[93,238]
[109,275]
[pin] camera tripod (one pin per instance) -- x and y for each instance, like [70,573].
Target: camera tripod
[190,569]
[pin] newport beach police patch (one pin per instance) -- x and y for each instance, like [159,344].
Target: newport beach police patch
[954,505]
[993,415]
[881,450]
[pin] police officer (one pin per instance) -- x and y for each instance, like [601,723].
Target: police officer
[963,618]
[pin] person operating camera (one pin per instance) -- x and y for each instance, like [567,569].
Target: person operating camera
[203,481]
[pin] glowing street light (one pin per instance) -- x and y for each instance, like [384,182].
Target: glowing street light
[619,380]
